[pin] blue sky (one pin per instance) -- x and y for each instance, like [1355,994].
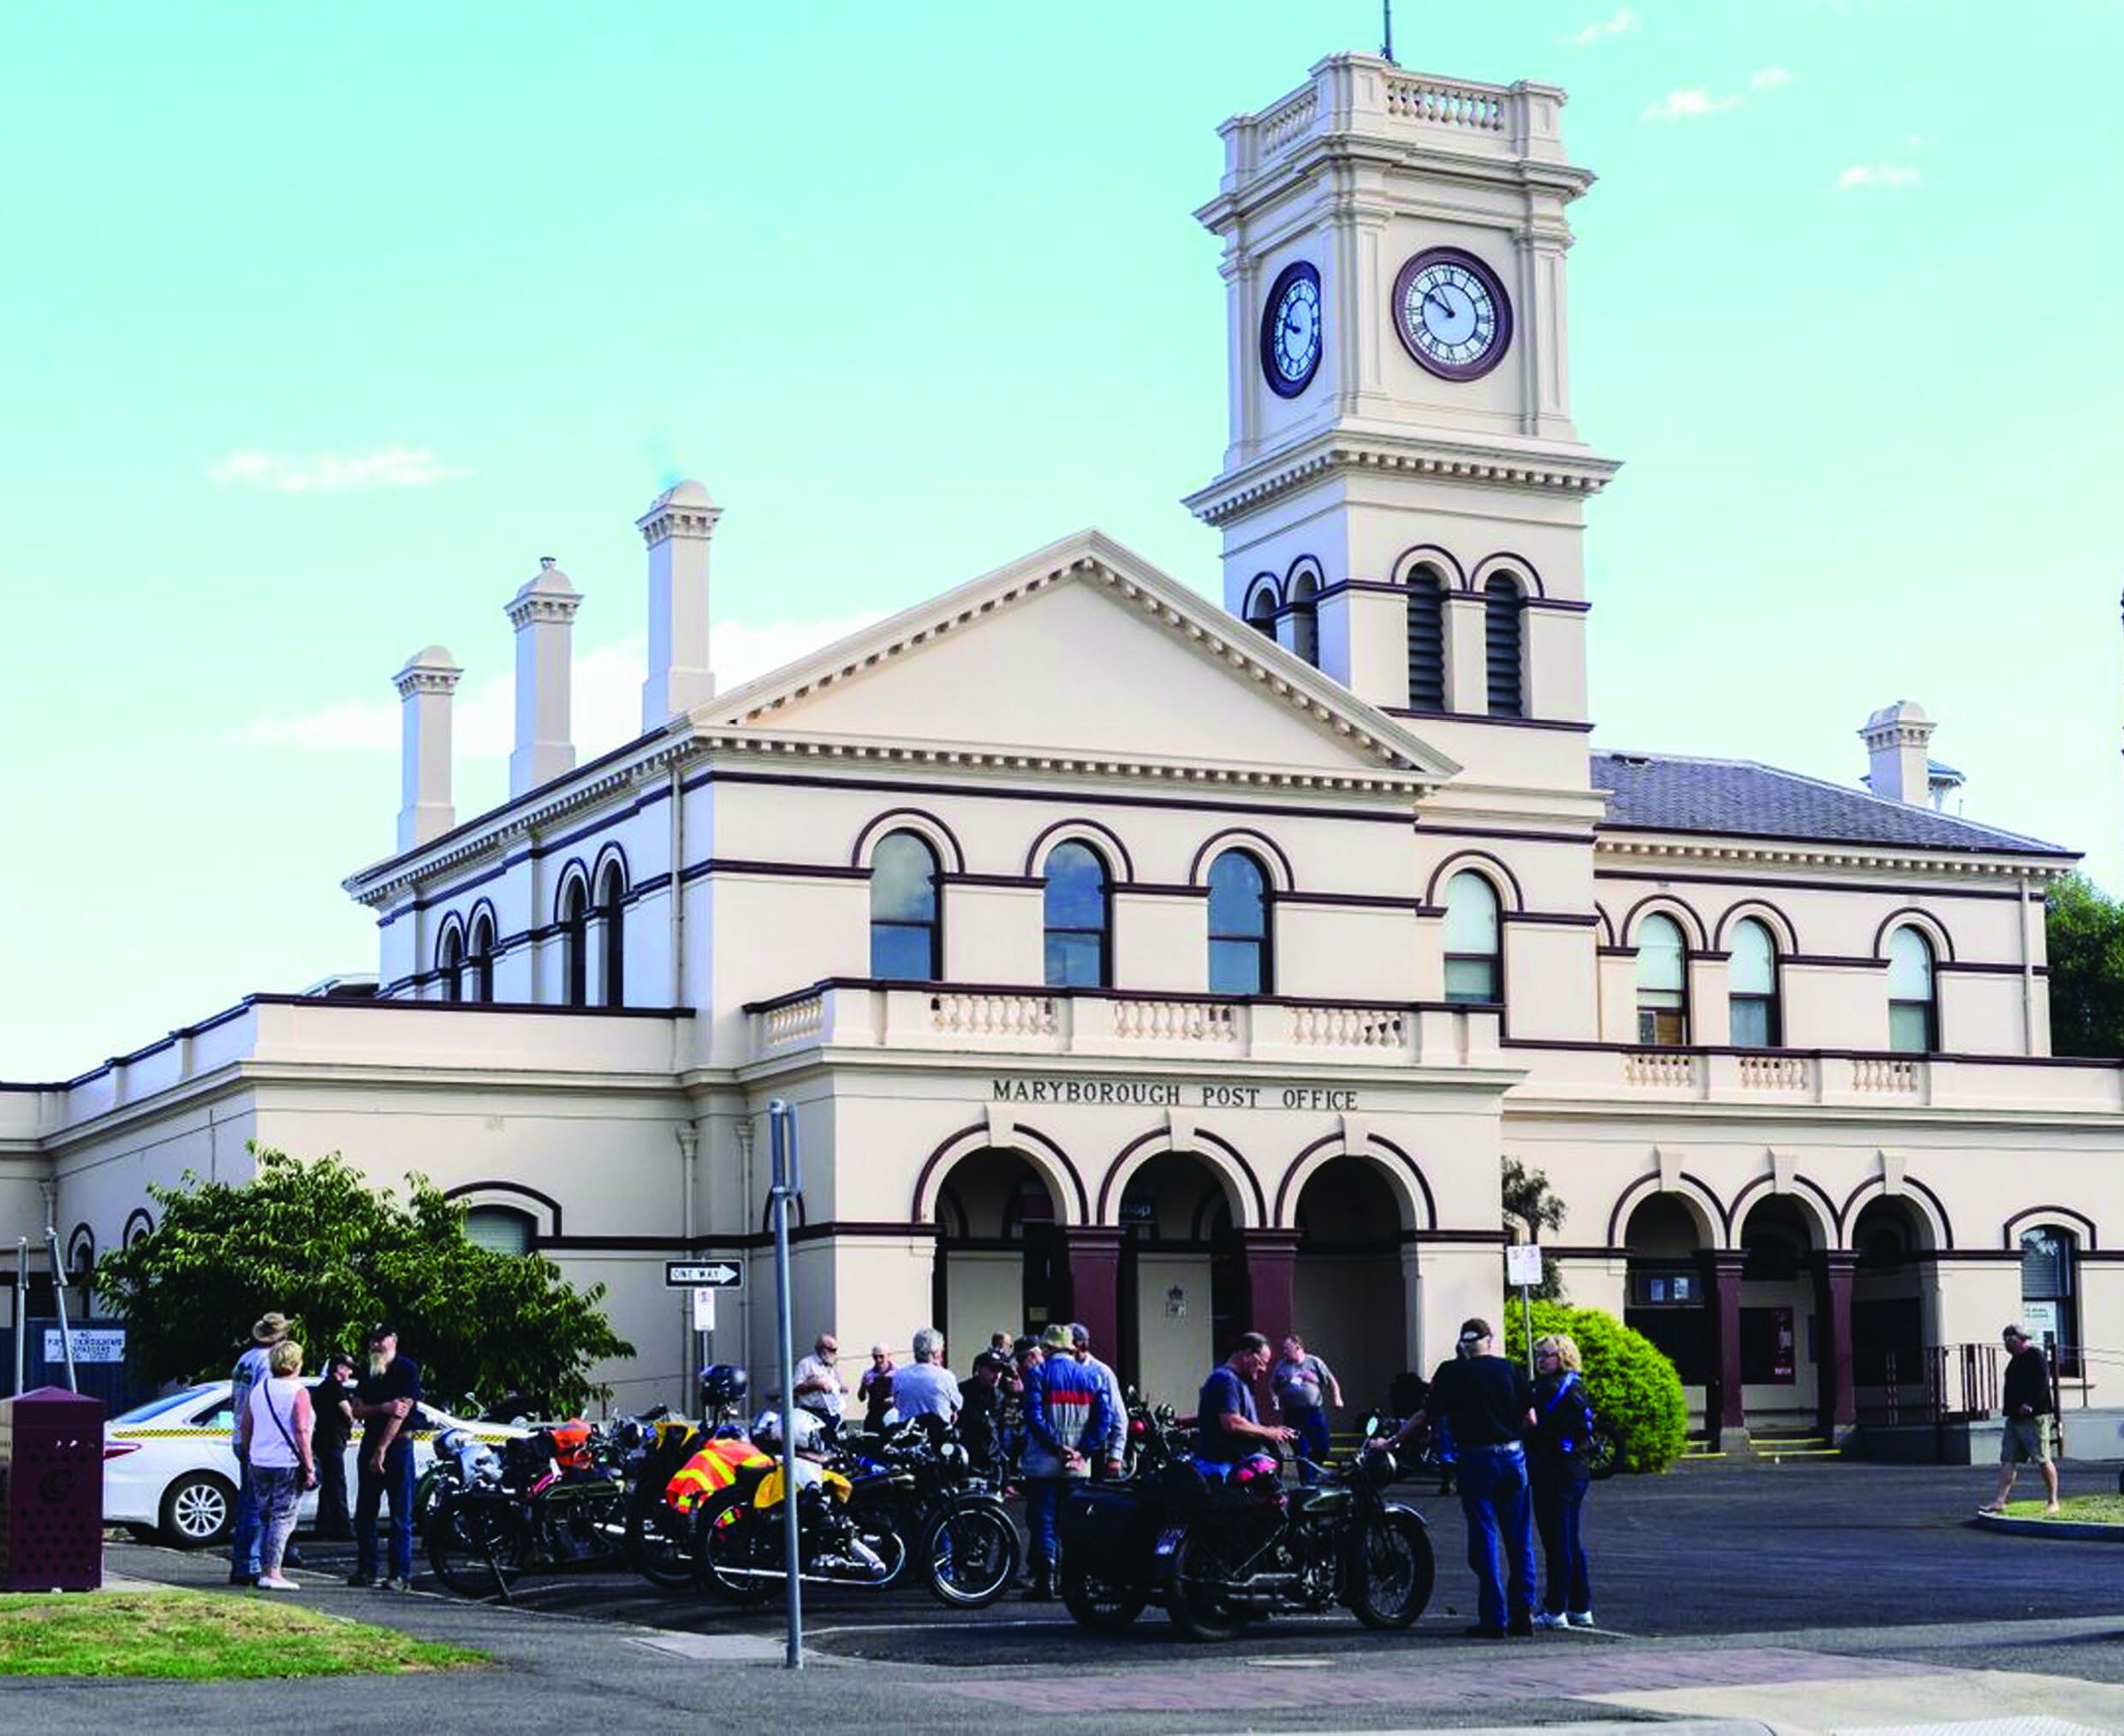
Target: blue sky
[322,327]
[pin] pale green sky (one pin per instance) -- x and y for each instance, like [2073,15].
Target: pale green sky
[914,290]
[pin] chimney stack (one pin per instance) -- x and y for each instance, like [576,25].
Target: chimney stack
[425,686]
[543,613]
[1896,737]
[677,528]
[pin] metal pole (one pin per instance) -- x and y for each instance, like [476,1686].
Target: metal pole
[781,1137]
[59,1296]
[1386,9]
[1527,1320]
[21,1314]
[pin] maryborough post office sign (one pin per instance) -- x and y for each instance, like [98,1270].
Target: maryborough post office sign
[1172,1094]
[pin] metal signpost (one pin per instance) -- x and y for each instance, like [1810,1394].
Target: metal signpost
[704,1278]
[22,1313]
[788,1182]
[59,1296]
[1522,1266]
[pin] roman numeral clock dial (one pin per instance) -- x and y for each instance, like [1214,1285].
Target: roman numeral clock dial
[1290,329]
[1452,314]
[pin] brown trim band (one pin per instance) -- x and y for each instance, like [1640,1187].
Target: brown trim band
[972,790]
[1743,885]
[1484,717]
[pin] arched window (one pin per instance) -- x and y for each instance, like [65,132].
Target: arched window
[1662,983]
[1913,1013]
[482,956]
[1079,915]
[500,1229]
[1426,639]
[907,940]
[2050,1258]
[576,940]
[449,959]
[1752,979]
[1502,608]
[1239,926]
[1306,618]
[1261,607]
[612,932]
[1472,947]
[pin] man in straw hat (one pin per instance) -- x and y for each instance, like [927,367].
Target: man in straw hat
[251,1367]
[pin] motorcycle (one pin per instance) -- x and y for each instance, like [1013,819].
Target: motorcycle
[921,1484]
[552,1501]
[1110,1531]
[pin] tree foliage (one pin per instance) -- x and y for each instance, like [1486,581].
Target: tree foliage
[316,1242]
[1530,1204]
[1634,1387]
[2084,932]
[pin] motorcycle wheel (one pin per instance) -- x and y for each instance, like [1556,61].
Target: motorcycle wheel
[1100,1605]
[890,1548]
[972,1554]
[1194,1596]
[1604,1453]
[729,1540]
[1391,1571]
[660,1543]
[474,1545]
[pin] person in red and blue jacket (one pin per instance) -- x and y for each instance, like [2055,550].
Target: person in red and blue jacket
[1067,1419]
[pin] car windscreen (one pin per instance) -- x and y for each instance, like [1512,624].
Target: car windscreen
[153,1407]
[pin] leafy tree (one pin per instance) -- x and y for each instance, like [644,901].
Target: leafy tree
[2083,929]
[317,1243]
[1528,1202]
[1634,1387]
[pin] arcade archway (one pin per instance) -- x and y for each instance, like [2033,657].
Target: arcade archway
[1183,1293]
[1002,1264]
[1351,1295]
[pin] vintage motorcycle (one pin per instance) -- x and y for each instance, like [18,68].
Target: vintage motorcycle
[1110,1531]
[552,1501]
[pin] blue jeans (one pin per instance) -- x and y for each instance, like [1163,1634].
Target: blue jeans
[247,1530]
[1312,1423]
[1557,1505]
[396,1482]
[1495,1500]
[1043,1499]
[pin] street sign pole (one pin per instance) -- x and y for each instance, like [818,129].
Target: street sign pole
[59,1295]
[22,1313]
[1522,1267]
[787,1181]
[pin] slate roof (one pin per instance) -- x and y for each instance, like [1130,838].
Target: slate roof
[1675,793]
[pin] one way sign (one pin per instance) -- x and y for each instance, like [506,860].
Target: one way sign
[714,1274]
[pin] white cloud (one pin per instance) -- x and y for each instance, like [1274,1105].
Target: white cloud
[1769,78]
[1688,105]
[1877,174]
[394,466]
[1621,24]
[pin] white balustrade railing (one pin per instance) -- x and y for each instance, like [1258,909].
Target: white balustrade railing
[1774,1073]
[993,1014]
[1348,1027]
[1659,1068]
[1442,105]
[1289,120]
[794,1021]
[1176,1021]
[1873,1072]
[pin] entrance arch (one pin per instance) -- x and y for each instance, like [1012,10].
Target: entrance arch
[1780,1335]
[1183,1291]
[1002,1262]
[1666,1240]
[1350,1300]
[1894,1306]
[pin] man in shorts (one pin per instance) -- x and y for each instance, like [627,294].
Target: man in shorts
[2030,1430]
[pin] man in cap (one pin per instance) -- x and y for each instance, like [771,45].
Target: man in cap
[1116,1400]
[251,1367]
[1066,1422]
[385,1401]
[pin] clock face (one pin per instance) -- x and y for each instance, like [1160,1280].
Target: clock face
[1290,329]
[1452,313]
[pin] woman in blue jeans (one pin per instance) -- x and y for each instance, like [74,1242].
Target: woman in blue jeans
[1560,1470]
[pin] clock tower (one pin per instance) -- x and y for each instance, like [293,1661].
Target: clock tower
[1402,496]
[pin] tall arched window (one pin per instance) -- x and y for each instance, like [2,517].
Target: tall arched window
[576,940]
[1913,1013]
[1502,608]
[449,959]
[1752,978]
[612,932]
[482,957]
[1261,607]
[1078,917]
[1306,618]
[1239,926]
[1426,639]
[1471,947]
[2049,1256]
[1662,983]
[907,940]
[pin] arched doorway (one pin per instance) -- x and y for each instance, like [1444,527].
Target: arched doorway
[1668,1299]
[1893,1308]
[1183,1290]
[1780,1374]
[1001,1262]
[1350,1300]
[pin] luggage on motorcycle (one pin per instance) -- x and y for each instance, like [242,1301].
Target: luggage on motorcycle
[526,1458]
[1094,1518]
[571,1445]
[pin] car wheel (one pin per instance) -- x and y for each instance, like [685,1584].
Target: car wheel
[199,1510]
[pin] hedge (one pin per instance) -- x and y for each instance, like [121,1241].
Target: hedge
[1634,1386]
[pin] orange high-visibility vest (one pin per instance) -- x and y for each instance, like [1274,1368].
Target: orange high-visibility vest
[711,1471]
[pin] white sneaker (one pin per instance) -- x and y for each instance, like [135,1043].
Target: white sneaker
[1549,1623]
[1579,1618]
[273,1582]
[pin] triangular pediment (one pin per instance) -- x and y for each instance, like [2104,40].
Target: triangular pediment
[1082,651]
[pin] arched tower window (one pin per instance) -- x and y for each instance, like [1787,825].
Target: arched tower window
[1473,952]
[612,932]
[1261,607]
[1239,926]
[1504,608]
[1662,983]
[1426,639]
[1306,618]
[1913,1010]
[1079,918]
[482,955]
[449,959]
[500,1229]
[1753,978]
[906,939]
[576,940]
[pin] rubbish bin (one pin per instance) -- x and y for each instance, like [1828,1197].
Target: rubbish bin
[51,1492]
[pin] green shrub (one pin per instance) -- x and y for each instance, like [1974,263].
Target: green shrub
[1634,1386]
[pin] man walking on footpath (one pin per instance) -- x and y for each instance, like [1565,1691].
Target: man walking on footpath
[2030,1430]
[384,1402]
[1304,1387]
[251,1367]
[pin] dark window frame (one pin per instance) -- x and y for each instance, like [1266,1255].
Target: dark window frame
[933,928]
[1262,941]
[1505,605]
[1104,933]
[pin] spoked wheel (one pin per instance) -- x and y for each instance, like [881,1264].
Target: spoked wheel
[660,1542]
[884,1541]
[1196,1597]
[736,1555]
[474,1545]
[972,1554]
[1603,1452]
[1096,1603]
[1391,1570]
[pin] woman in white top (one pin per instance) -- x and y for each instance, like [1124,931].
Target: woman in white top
[273,1436]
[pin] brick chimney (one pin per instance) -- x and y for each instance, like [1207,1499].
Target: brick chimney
[677,528]
[1896,737]
[543,613]
[424,686]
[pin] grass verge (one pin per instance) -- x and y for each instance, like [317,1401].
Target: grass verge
[2078,1509]
[194,1637]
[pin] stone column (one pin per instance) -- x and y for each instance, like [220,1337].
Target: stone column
[1726,1415]
[1832,1326]
[1095,1286]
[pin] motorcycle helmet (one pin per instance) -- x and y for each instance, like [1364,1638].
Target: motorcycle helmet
[722,1386]
[811,1433]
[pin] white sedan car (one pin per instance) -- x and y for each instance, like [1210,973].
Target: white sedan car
[170,1470]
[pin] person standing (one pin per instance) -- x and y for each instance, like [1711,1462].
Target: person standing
[1227,1428]
[928,1387]
[332,1401]
[251,1367]
[1304,1387]
[384,1402]
[819,1388]
[875,1388]
[981,1413]
[1489,1406]
[1066,1422]
[1116,1400]
[2030,1430]
[274,1430]
[1559,1467]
